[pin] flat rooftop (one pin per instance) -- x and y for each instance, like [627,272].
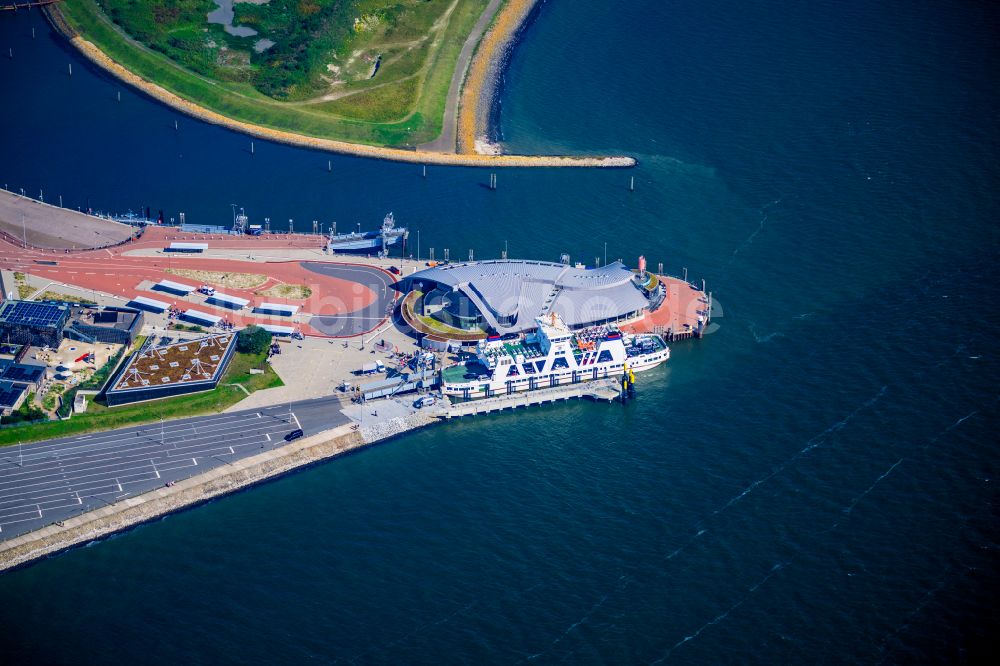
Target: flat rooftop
[183,362]
[30,313]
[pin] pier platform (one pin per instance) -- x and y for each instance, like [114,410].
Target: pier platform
[602,389]
[682,314]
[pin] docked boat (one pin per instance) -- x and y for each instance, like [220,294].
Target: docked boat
[377,242]
[551,355]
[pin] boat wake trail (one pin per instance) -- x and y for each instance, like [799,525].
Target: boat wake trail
[854,502]
[686,544]
[816,441]
[620,585]
[719,618]
[926,599]
[766,338]
[810,445]
[435,623]
[760,227]
[884,474]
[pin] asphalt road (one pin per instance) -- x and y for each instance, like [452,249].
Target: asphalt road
[45,482]
[363,319]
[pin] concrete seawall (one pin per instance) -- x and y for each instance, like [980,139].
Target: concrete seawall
[189,492]
[395,419]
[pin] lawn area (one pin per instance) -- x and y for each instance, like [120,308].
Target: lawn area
[315,80]
[429,325]
[101,417]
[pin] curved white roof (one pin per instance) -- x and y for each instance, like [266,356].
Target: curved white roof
[512,293]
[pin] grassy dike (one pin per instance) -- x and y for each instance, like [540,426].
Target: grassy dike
[364,120]
[100,417]
[310,133]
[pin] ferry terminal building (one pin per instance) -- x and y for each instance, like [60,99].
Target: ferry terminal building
[506,296]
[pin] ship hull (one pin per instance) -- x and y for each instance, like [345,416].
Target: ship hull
[473,389]
[362,244]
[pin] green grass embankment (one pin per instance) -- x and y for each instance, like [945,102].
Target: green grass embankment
[100,417]
[404,112]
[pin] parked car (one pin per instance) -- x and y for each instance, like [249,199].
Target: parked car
[295,434]
[424,401]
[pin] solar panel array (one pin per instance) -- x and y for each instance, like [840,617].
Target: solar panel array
[27,313]
[22,373]
[9,393]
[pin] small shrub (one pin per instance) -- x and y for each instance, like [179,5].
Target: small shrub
[253,340]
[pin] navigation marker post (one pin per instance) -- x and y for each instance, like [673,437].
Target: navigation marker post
[71,69]
[329,166]
[631,184]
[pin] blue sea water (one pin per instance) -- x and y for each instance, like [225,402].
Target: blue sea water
[815,482]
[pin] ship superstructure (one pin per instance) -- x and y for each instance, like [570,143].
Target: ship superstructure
[551,355]
[368,241]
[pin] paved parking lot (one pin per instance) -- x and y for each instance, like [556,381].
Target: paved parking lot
[357,320]
[45,482]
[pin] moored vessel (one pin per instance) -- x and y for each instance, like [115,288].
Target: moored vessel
[551,355]
[368,241]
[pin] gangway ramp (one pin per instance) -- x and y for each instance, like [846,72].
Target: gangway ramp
[399,384]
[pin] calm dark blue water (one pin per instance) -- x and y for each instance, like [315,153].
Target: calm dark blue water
[813,483]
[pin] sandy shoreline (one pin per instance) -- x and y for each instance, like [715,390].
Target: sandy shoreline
[483,79]
[475,86]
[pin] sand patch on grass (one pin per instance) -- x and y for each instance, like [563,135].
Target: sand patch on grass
[288,291]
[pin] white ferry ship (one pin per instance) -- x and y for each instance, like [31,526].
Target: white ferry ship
[549,356]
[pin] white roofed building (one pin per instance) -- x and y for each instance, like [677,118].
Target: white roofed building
[507,296]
